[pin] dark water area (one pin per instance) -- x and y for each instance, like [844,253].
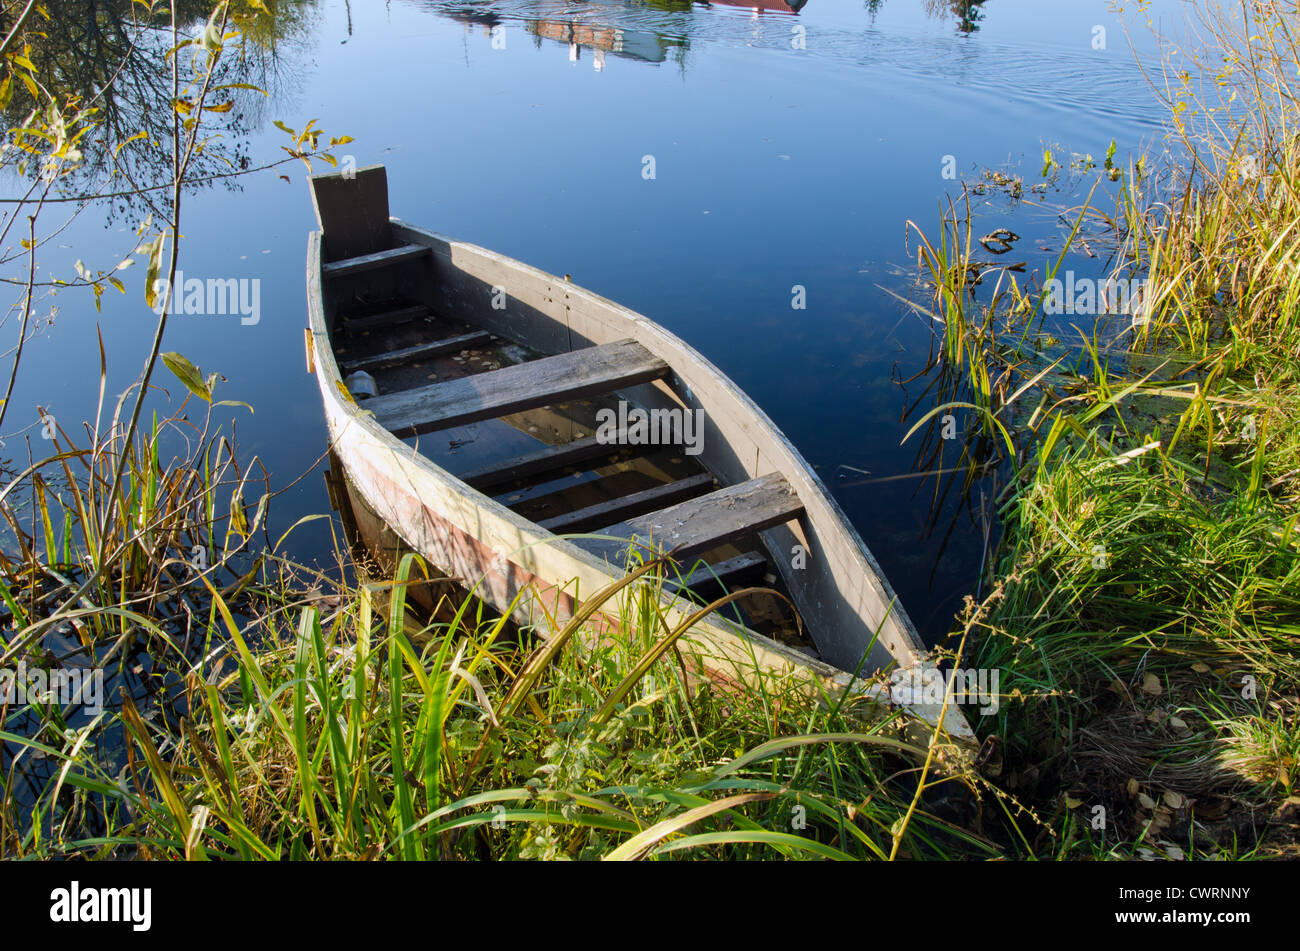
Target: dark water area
[790,149]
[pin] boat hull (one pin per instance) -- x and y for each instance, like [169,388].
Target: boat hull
[514,565]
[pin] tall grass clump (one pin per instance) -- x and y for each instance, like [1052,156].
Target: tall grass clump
[1148,628]
[113,550]
[360,732]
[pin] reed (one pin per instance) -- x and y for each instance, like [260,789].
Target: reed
[92,582]
[360,732]
[1149,632]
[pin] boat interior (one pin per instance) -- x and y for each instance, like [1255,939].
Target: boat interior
[522,427]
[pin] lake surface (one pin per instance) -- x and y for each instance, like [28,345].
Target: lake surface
[789,149]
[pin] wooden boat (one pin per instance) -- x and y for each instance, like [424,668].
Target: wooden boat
[528,359]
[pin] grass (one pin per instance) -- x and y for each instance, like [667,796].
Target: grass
[362,733]
[1148,627]
[96,581]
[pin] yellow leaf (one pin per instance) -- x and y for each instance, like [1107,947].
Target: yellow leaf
[155,249]
[188,374]
[125,142]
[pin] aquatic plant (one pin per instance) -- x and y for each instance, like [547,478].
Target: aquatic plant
[1149,631]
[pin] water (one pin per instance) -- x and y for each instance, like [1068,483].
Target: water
[788,149]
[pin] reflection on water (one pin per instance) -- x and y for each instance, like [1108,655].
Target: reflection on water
[651,31]
[968,13]
[632,44]
[106,55]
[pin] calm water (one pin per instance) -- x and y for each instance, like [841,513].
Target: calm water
[522,125]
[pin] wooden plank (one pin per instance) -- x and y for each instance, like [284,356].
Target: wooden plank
[368,262]
[627,506]
[516,388]
[723,572]
[352,210]
[421,351]
[706,522]
[385,318]
[549,459]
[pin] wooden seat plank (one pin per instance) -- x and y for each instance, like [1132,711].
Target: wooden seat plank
[421,351]
[723,572]
[516,388]
[397,315]
[626,506]
[705,522]
[549,459]
[368,262]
